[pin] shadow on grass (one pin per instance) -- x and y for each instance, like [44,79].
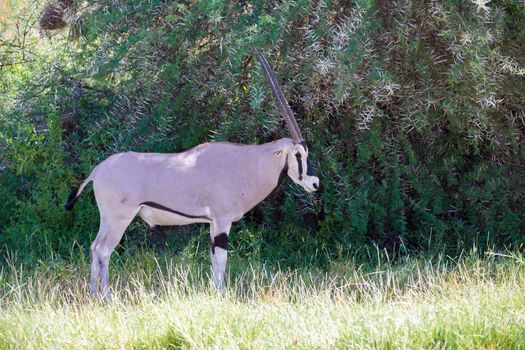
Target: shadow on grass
[172,339]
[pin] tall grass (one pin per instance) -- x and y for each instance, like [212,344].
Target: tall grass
[438,302]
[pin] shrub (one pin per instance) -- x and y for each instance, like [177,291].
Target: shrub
[413,111]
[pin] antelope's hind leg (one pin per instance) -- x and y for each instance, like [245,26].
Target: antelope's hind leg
[111,230]
[95,270]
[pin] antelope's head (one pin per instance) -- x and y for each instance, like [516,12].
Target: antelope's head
[299,167]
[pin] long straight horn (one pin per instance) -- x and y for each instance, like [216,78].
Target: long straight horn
[279,97]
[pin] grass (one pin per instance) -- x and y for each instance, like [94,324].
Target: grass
[470,302]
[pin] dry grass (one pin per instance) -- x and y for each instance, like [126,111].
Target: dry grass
[443,303]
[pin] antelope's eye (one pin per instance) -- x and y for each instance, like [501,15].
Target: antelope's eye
[298,154]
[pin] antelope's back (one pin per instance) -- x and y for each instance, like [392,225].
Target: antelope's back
[194,178]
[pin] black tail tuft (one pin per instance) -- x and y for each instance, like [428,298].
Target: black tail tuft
[72,199]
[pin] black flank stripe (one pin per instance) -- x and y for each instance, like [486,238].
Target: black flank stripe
[161,207]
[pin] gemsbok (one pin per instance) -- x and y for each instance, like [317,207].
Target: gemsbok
[215,183]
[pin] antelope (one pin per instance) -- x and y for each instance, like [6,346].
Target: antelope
[215,183]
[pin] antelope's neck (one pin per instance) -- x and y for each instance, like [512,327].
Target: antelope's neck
[265,173]
[270,170]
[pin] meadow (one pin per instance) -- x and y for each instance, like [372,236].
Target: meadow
[475,301]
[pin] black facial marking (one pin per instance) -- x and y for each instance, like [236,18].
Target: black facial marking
[283,173]
[303,143]
[220,241]
[161,207]
[300,162]
[309,168]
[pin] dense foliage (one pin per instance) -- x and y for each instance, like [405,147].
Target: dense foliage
[414,112]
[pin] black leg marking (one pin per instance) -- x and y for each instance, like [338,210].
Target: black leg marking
[220,241]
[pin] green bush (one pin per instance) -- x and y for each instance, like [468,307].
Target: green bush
[413,111]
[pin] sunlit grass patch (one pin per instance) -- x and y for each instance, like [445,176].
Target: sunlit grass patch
[469,302]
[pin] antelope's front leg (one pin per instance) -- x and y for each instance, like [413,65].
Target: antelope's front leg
[218,252]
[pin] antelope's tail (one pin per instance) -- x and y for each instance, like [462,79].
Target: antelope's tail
[75,193]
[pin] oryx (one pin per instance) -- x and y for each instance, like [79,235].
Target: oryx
[215,183]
